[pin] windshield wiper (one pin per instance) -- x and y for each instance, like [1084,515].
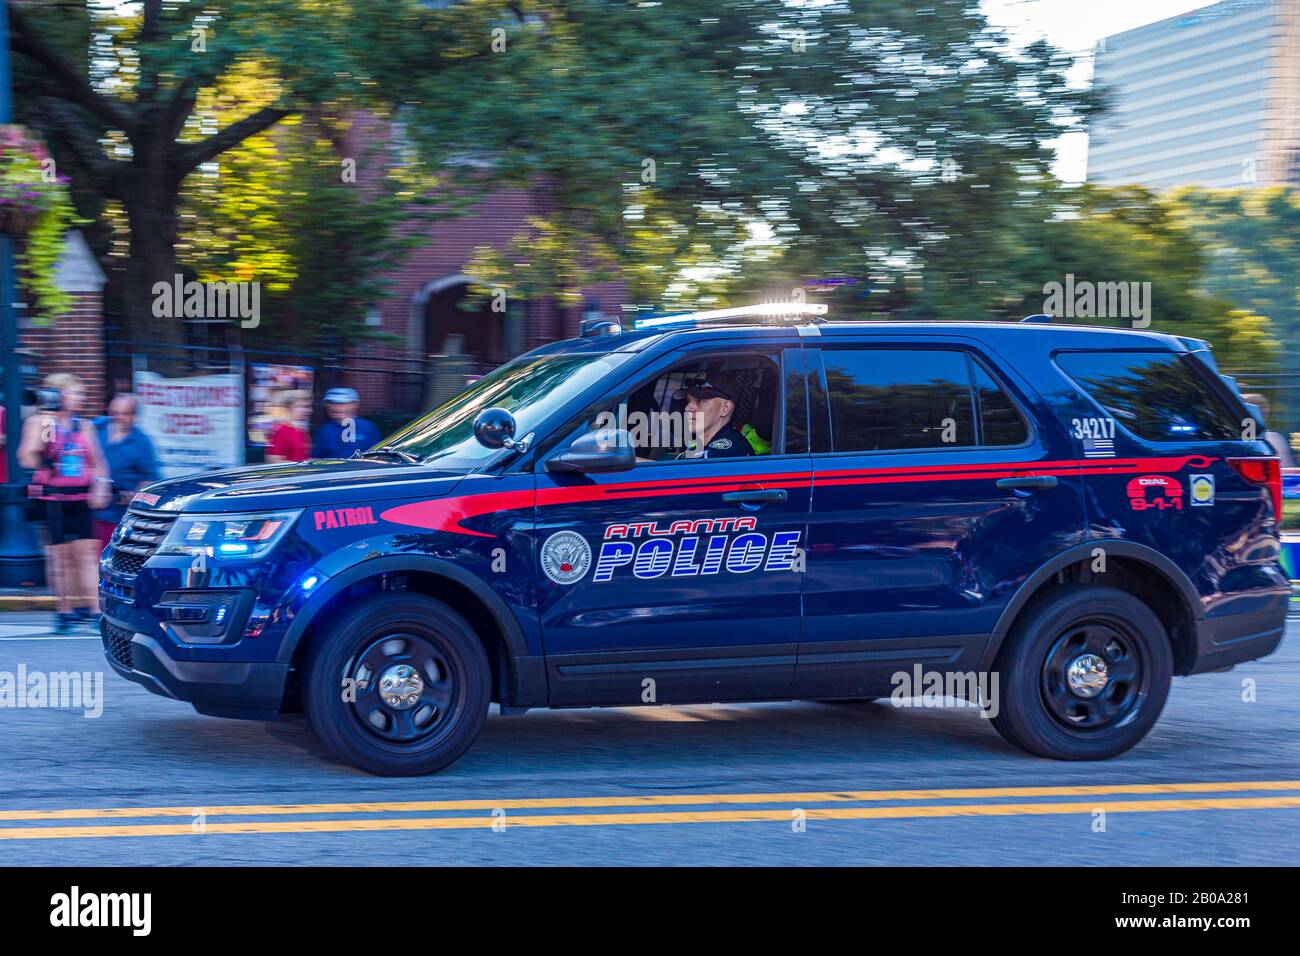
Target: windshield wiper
[389,452]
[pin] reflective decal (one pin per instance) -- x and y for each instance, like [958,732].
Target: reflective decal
[566,556]
[680,549]
[1161,492]
[331,518]
[1201,489]
[450,513]
[1097,436]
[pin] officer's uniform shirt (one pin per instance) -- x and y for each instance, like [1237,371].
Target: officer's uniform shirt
[727,443]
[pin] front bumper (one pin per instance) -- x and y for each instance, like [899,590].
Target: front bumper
[241,689]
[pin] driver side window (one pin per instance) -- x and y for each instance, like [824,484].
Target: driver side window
[707,408]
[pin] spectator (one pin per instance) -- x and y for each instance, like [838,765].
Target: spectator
[131,462]
[69,479]
[289,439]
[344,433]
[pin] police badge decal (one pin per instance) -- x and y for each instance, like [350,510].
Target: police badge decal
[566,556]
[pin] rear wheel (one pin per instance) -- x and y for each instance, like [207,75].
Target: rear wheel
[1083,674]
[398,686]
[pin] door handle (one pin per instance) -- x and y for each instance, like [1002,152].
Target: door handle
[757,497]
[1028,483]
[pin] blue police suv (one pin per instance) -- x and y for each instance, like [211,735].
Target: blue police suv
[737,505]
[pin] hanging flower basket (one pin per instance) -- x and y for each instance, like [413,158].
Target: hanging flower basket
[35,207]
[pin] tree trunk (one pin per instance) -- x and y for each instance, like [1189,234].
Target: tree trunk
[151,213]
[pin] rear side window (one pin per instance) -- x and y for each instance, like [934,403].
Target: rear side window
[900,399]
[1158,396]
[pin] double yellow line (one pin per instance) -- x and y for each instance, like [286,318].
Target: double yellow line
[640,810]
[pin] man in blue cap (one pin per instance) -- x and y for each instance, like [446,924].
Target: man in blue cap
[344,433]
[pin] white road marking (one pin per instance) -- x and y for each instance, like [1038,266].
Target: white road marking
[52,637]
[36,632]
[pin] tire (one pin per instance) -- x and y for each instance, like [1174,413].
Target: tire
[418,678]
[1090,715]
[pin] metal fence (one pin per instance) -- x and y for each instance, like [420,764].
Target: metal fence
[393,388]
[1280,389]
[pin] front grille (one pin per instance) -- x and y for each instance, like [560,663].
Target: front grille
[137,538]
[127,563]
[118,644]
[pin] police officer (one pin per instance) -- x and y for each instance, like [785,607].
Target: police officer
[710,403]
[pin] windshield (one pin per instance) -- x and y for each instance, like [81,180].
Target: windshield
[529,388]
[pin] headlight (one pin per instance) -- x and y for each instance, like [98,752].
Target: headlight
[228,536]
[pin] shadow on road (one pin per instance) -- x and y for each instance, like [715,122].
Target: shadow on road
[687,738]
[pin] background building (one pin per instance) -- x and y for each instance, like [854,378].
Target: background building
[1209,98]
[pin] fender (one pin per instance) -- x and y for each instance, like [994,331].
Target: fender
[526,675]
[1081,552]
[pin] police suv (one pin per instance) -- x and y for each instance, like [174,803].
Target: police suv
[739,505]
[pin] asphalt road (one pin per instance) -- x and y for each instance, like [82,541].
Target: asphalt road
[1216,782]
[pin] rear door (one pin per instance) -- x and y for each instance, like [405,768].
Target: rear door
[939,485]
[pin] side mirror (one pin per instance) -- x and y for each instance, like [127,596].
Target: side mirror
[606,449]
[494,427]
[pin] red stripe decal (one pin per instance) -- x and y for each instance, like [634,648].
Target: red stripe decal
[446,514]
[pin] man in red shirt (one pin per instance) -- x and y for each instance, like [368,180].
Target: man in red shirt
[290,439]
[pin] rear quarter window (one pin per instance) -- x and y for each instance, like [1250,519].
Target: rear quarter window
[1158,396]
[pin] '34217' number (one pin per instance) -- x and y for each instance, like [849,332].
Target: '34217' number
[1093,427]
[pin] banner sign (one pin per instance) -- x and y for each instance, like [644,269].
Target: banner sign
[197,424]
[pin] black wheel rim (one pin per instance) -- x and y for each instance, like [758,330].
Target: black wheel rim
[1094,676]
[403,689]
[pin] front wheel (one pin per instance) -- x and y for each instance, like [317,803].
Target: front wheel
[1084,674]
[398,686]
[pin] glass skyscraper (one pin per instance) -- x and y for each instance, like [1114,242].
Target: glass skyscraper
[1207,98]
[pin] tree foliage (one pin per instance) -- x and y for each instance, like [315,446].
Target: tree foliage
[138,97]
[702,147]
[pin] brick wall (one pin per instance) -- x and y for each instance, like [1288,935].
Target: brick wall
[74,342]
[444,252]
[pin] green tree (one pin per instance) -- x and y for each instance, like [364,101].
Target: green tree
[1130,234]
[1251,239]
[117,89]
[707,148]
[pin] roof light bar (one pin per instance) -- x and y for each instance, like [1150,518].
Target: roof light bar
[771,310]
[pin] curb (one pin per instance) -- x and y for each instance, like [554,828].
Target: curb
[29,602]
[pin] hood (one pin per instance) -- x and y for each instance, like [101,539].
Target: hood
[352,481]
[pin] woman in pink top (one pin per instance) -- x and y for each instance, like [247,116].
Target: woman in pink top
[69,478]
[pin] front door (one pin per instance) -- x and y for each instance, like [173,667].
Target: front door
[680,579]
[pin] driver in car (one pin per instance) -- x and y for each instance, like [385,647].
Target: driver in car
[710,403]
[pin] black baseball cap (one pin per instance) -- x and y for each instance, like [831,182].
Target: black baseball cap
[712,385]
